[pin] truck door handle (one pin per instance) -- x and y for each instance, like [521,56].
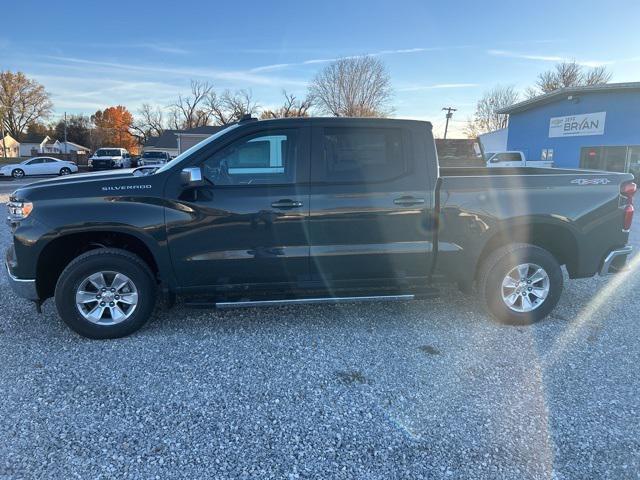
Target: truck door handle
[406,201]
[286,203]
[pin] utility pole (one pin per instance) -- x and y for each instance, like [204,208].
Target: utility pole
[449,111]
[66,148]
[4,145]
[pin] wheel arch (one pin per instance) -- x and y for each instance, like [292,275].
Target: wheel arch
[555,237]
[60,251]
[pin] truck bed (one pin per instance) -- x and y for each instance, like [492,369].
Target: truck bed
[525,171]
[517,178]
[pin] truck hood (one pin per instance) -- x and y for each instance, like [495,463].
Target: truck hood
[84,185]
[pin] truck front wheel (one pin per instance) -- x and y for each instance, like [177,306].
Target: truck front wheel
[520,283]
[106,293]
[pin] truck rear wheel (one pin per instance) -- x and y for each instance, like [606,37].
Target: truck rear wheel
[520,283]
[106,293]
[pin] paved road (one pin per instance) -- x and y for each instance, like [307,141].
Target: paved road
[7,186]
[377,391]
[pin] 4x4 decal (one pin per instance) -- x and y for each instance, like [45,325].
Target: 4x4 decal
[591,181]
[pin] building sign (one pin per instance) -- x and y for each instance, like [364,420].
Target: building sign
[577,125]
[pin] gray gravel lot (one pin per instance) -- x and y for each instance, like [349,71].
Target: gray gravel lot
[428,389]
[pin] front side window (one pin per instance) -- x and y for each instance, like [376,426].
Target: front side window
[362,154]
[256,159]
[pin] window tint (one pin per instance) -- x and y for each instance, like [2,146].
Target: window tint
[257,159]
[363,154]
[36,161]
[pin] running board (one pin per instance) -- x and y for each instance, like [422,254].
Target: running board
[311,301]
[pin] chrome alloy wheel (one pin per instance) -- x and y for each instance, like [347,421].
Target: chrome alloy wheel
[525,287]
[106,298]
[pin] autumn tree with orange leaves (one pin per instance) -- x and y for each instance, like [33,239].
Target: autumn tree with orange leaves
[113,128]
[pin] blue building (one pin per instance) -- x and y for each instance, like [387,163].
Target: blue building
[595,127]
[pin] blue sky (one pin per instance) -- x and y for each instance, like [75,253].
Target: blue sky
[91,55]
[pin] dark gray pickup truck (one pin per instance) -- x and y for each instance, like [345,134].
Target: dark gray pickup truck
[308,211]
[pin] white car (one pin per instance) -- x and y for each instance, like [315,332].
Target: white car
[38,166]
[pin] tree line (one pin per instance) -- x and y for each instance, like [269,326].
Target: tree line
[358,86]
[354,87]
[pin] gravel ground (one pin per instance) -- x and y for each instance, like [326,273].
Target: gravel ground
[417,390]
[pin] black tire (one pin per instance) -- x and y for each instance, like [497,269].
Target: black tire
[105,259]
[496,267]
[17,173]
[65,171]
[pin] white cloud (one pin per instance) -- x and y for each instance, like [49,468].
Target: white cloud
[380,53]
[548,58]
[435,86]
[244,77]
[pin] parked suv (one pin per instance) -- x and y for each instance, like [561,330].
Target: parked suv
[109,158]
[312,210]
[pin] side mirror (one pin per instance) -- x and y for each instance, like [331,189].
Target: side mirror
[191,177]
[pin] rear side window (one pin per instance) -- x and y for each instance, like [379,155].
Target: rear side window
[362,154]
[506,157]
[257,159]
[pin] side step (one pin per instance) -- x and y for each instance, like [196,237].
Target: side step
[311,301]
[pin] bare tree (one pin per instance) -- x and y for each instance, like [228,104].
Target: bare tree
[568,74]
[149,123]
[352,87]
[230,107]
[190,111]
[597,76]
[205,106]
[292,107]
[486,118]
[23,101]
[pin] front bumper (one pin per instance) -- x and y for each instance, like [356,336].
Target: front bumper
[24,288]
[616,261]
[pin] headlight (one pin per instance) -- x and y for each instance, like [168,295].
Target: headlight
[19,210]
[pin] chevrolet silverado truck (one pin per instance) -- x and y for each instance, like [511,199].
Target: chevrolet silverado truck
[312,210]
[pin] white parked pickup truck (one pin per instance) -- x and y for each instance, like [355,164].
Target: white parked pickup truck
[514,159]
[108,158]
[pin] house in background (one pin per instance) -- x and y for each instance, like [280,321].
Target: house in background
[11,147]
[38,144]
[193,136]
[70,147]
[167,142]
[177,141]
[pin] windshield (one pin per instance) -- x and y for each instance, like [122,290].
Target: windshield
[195,148]
[107,152]
[153,155]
